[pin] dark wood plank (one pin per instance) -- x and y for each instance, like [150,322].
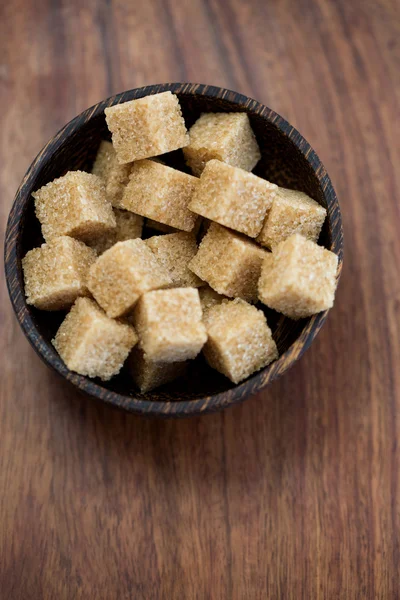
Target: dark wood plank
[293,494]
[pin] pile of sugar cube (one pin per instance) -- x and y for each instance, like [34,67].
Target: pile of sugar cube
[159,302]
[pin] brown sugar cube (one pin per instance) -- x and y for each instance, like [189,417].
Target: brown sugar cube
[55,274]
[114,175]
[174,251]
[123,273]
[209,298]
[229,263]
[160,193]
[224,136]
[292,212]
[300,280]
[74,205]
[233,197]
[149,375]
[129,227]
[147,127]
[239,339]
[169,324]
[92,344]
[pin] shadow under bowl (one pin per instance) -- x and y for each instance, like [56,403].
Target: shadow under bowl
[287,159]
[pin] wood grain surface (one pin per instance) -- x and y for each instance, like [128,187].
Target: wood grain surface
[295,493]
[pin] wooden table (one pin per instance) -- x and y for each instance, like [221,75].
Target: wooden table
[295,493]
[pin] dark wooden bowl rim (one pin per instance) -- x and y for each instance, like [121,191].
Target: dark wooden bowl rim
[154,407]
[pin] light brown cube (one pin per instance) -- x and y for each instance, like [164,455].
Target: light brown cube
[239,339]
[209,298]
[123,273]
[74,205]
[174,251]
[169,324]
[56,273]
[147,127]
[92,344]
[114,176]
[300,280]
[229,263]
[292,212]
[233,197]
[129,227]
[224,136]
[149,375]
[161,193]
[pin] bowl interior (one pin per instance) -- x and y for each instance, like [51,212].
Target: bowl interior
[283,162]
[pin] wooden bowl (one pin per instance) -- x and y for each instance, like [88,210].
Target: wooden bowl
[287,159]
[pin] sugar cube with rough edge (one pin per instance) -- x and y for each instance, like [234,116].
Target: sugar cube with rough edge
[129,227]
[161,193]
[239,339]
[124,272]
[114,175]
[174,251]
[291,212]
[233,197]
[56,273]
[169,324]
[91,343]
[74,205]
[224,136]
[209,298]
[147,127]
[229,263]
[300,280]
[149,375]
